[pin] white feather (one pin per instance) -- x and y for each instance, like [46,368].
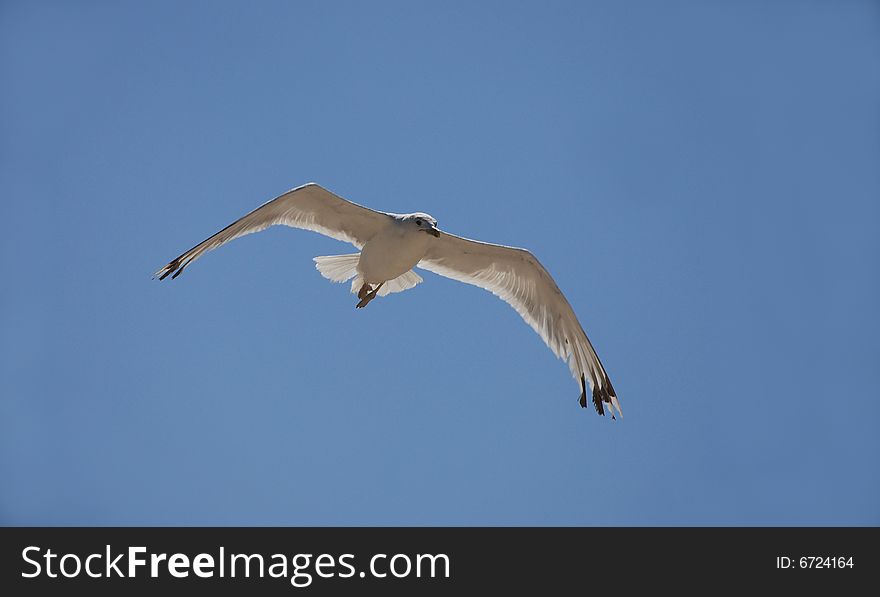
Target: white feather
[400,283]
[338,268]
[310,206]
[518,278]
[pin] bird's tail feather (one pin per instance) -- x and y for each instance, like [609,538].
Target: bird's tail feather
[400,283]
[338,268]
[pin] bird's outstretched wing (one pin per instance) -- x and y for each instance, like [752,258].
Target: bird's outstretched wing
[310,207]
[518,278]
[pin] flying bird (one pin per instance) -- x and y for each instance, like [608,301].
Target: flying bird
[390,245]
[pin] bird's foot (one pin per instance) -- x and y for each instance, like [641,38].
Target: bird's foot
[367,297]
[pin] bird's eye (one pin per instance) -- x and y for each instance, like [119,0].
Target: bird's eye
[418,222]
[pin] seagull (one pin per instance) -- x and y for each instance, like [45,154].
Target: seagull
[390,245]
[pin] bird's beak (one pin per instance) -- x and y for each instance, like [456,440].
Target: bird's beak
[433,232]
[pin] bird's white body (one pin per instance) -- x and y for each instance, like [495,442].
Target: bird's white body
[392,252]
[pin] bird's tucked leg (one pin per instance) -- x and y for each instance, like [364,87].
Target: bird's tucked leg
[365,289]
[365,300]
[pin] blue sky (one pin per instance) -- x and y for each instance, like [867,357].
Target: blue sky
[700,177]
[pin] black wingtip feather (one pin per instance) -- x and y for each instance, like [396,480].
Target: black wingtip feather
[597,400]
[601,395]
[583,398]
[173,269]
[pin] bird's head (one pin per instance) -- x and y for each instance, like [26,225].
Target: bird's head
[424,223]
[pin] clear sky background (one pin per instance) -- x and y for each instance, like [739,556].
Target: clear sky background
[702,179]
